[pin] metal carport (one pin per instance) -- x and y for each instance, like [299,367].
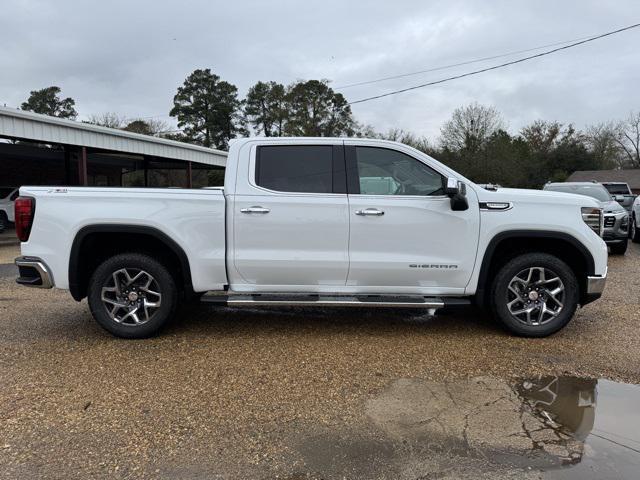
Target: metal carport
[48,149]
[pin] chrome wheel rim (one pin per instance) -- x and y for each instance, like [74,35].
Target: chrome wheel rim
[131,296]
[535,296]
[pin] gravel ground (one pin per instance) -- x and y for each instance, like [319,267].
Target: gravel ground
[269,393]
[8,253]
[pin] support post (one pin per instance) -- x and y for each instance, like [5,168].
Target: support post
[189,175]
[82,167]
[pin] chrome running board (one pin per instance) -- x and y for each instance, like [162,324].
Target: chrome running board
[301,300]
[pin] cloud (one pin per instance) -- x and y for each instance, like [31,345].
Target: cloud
[130,57]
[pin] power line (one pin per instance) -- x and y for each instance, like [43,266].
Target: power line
[466,62]
[495,67]
[154,116]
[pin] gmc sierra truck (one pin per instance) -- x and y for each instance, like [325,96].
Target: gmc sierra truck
[316,222]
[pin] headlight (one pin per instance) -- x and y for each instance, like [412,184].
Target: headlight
[624,223]
[593,217]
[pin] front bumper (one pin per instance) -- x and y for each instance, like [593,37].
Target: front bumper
[595,287]
[615,228]
[34,273]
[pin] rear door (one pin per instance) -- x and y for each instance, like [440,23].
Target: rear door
[291,226]
[404,236]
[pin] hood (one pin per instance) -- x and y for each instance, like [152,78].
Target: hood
[536,196]
[612,207]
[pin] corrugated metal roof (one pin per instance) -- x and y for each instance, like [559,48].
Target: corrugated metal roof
[42,128]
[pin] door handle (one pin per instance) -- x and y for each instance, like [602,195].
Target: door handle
[370,211]
[255,209]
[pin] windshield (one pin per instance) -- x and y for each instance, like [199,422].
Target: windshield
[594,191]
[617,188]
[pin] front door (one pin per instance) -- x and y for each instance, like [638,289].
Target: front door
[404,236]
[291,228]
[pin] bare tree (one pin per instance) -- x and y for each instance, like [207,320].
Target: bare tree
[628,138]
[408,138]
[470,127]
[107,119]
[147,126]
[602,140]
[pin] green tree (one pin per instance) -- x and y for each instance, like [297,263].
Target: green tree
[266,108]
[48,102]
[555,152]
[315,110]
[504,160]
[208,110]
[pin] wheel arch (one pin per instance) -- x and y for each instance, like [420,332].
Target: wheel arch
[94,243]
[506,245]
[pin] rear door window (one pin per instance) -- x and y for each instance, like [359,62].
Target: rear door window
[296,168]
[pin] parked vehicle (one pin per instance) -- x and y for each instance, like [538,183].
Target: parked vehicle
[616,218]
[621,193]
[317,222]
[634,228]
[7,197]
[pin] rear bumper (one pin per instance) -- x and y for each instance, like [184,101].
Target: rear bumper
[595,287]
[34,273]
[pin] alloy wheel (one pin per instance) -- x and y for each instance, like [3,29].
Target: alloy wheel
[535,296]
[131,296]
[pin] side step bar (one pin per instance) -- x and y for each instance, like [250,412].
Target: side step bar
[300,300]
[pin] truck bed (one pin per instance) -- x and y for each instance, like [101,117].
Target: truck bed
[194,219]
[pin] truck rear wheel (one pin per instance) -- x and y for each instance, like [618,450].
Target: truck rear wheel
[132,295]
[534,295]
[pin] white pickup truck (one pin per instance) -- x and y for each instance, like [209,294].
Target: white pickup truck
[316,222]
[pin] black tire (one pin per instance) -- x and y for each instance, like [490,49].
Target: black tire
[619,248]
[4,221]
[134,263]
[500,296]
[634,230]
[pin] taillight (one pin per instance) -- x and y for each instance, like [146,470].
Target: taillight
[25,208]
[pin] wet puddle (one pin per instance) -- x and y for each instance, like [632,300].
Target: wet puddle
[548,427]
[603,415]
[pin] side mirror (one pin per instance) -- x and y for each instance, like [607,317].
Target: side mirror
[457,191]
[618,198]
[452,187]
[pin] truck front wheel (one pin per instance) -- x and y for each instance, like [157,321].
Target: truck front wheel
[534,295]
[132,295]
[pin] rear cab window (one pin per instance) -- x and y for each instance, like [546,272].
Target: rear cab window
[617,188]
[300,168]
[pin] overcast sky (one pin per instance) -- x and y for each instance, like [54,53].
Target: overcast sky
[130,56]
